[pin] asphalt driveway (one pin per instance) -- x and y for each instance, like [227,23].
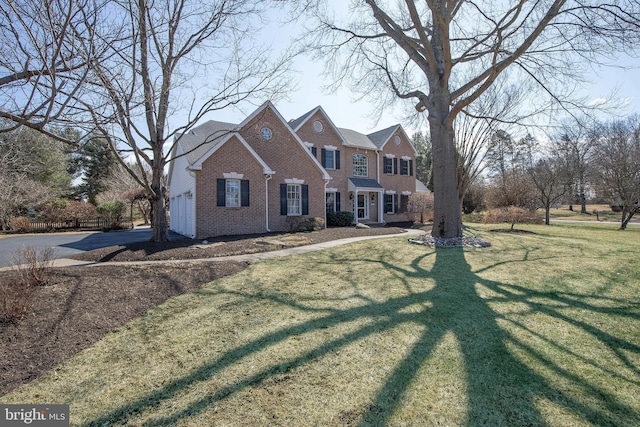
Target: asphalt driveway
[66,244]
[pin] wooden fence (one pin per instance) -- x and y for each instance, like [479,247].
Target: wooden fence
[83,224]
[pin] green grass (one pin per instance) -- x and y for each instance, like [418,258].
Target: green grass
[539,329]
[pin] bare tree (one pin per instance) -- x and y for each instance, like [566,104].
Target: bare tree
[446,54]
[476,129]
[41,63]
[18,194]
[551,178]
[168,58]
[618,160]
[576,145]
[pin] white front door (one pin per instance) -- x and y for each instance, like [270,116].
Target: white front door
[363,206]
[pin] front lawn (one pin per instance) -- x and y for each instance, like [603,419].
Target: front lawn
[539,329]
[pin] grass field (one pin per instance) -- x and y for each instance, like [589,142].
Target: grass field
[539,329]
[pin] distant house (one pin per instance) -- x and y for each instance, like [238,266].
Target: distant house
[250,177]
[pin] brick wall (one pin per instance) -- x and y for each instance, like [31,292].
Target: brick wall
[212,220]
[284,155]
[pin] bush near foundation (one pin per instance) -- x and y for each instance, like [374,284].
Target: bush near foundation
[303,223]
[339,219]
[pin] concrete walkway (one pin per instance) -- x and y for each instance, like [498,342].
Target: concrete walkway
[68,262]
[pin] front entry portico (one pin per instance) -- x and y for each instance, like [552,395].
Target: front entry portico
[367,196]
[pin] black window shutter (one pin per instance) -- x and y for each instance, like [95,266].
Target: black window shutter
[337,159]
[395,202]
[222,189]
[244,192]
[323,157]
[395,166]
[283,199]
[410,167]
[305,200]
[385,163]
[314,151]
[338,202]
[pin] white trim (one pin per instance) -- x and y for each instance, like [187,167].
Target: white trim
[248,119]
[233,175]
[309,144]
[197,165]
[326,116]
[390,156]
[294,181]
[407,158]
[330,148]
[406,193]
[331,190]
[389,191]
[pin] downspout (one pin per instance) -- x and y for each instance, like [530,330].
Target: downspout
[380,199]
[326,182]
[266,200]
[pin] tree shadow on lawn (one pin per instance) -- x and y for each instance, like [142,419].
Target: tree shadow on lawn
[501,389]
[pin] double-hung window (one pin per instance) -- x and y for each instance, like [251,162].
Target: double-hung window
[330,157]
[294,200]
[232,193]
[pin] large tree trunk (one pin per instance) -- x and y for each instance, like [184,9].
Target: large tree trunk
[158,206]
[447,218]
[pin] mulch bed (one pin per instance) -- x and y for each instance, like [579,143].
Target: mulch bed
[81,304]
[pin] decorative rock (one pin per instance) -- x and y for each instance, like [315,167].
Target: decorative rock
[439,242]
[361,225]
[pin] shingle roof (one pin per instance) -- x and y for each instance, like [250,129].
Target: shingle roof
[357,139]
[380,137]
[200,139]
[365,183]
[296,122]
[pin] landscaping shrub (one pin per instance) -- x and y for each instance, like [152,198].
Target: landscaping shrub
[512,215]
[16,298]
[339,219]
[303,223]
[112,212]
[31,269]
[21,223]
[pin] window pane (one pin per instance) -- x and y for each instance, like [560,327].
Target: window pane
[233,193]
[360,165]
[331,202]
[293,199]
[329,160]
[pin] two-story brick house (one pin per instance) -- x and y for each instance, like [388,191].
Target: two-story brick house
[251,177]
[371,175]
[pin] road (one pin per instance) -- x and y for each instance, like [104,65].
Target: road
[67,244]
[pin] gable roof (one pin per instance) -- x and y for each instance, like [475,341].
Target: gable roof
[197,165]
[200,139]
[381,137]
[357,139]
[300,121]
[268,104]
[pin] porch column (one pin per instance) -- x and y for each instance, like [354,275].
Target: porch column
[355,206]
[381,206]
